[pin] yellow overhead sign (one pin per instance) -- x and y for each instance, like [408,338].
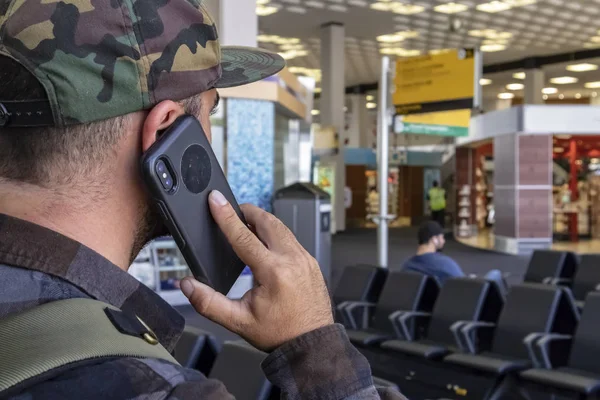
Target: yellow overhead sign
[438,82]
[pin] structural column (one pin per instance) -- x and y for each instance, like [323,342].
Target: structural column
[332,108]
[534,83]
[236,21]
[523,192]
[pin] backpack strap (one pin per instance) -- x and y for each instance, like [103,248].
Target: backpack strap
[54,335]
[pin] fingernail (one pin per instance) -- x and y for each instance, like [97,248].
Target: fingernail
[187,288]
[218,199]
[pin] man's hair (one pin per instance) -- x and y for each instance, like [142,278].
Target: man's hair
[435,183]
[50,156]
[428,230]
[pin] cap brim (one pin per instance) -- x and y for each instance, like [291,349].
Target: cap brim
[243,65]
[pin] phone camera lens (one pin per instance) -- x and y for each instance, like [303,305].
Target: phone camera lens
[163,173]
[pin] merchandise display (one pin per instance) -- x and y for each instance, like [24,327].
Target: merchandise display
[161,267]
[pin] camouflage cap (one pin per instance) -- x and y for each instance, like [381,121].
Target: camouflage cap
[99,59]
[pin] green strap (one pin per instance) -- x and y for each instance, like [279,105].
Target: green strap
[56,334]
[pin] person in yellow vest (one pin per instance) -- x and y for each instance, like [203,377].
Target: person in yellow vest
[437,203]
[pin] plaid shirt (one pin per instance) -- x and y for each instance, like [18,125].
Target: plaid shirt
[38,266]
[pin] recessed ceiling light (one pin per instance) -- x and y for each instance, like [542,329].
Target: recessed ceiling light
[561,96]
[400,52]
[290,54]
[370,98]
[490,48]
[397,37]
[494,7]
[594,94]
[263,11]
[577,95]
[397,8]
[592,85]
[451,8]
[515,86]
[549,90]
[406,9]
[519,75]
[485,81]
[371,106]
[506,96]
[520,3]
[315,112]
[545,97]
[564,80]
[582,67]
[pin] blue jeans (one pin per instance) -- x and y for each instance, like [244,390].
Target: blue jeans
[496,276]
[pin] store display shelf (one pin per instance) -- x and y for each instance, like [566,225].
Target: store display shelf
[173,268]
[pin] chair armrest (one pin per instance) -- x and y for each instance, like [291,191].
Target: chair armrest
[529,342]
[400,321]
[468,331]
[362,305]
[557,281]
[543,345]
[455,329]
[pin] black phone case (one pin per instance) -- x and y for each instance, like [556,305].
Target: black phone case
[188,153]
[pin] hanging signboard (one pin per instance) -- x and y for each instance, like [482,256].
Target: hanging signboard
[443,123]
[432,83]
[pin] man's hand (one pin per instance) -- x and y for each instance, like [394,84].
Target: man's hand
[291,298]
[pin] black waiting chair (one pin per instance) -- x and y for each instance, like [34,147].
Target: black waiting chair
[196,349]
[358,283]
[460,299]
[403,292]
[529,308]
[238,366]
[581,375]
[587,278]
[552,267]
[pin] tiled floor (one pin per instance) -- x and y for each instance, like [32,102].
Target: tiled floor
[485,240]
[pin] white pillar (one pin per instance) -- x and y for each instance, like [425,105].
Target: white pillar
[236,21]
[358,121]
[332,107]
[534,83]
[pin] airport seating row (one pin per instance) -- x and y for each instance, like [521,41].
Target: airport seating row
[465,341]
[236,363]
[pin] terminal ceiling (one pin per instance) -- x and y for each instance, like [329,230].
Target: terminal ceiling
[541,28]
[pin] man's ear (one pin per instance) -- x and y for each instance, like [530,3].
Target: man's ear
[159,118]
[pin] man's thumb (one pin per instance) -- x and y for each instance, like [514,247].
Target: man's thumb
[214,305]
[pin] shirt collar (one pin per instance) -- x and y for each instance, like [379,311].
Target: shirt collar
[30,246]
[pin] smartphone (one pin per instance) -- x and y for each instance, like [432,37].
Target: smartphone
[180,170]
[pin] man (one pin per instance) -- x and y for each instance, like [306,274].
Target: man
[85,88]
[430,261]
[437,203]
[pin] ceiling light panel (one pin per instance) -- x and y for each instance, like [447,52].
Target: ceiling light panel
[506,96]
[592,85]
[451,8]
[515,86]
[564,80]
[583,67]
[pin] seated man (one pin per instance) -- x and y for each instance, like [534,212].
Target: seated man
[430,261]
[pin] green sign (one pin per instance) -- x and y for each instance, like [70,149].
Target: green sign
[439,130]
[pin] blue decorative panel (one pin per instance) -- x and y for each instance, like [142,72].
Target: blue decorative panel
[250,150]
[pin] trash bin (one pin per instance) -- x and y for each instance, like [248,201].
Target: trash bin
[306,210]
